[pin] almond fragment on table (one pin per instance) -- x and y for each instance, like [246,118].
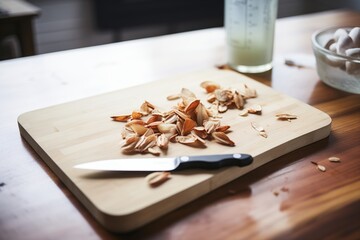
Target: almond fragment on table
[286,116]
[263,134]
[238,100]
[162,141]
[222,138]
[223,128]
[200,132]
[191,106]
[292,63]
[191,140]
[222,108]
[334,159]
[187,126]
[244,113]
[255,109]
[173,97]
[249,92]
[154,151]
[121,118]
[209,86]
[136,115]
[138,129]
[259,129]
[319,167]
[156,178]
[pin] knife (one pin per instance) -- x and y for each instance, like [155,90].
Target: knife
[169,163]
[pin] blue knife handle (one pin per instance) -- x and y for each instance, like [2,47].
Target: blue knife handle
[214,161]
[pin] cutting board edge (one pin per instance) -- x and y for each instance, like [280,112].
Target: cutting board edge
[60,174]
[138,218]
[116,222]
[130,221]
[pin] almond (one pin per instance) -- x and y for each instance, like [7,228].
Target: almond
[156,178]
[121,118]
[222,138]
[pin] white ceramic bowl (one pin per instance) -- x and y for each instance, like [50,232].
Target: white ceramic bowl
[337,70]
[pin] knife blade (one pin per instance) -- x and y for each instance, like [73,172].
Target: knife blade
[169,163]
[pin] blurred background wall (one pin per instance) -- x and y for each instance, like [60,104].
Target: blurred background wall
[69,24]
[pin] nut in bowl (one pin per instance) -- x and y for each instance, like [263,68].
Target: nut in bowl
[337,53]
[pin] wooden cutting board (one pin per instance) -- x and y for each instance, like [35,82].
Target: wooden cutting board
[80,131]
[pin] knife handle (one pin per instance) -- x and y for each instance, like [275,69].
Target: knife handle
[214,161]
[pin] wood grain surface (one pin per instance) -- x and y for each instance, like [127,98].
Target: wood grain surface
[81,131]
[287,198]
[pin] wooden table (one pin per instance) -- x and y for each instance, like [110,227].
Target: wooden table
[285,199]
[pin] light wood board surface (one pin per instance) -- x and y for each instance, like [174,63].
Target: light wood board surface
[68,134]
